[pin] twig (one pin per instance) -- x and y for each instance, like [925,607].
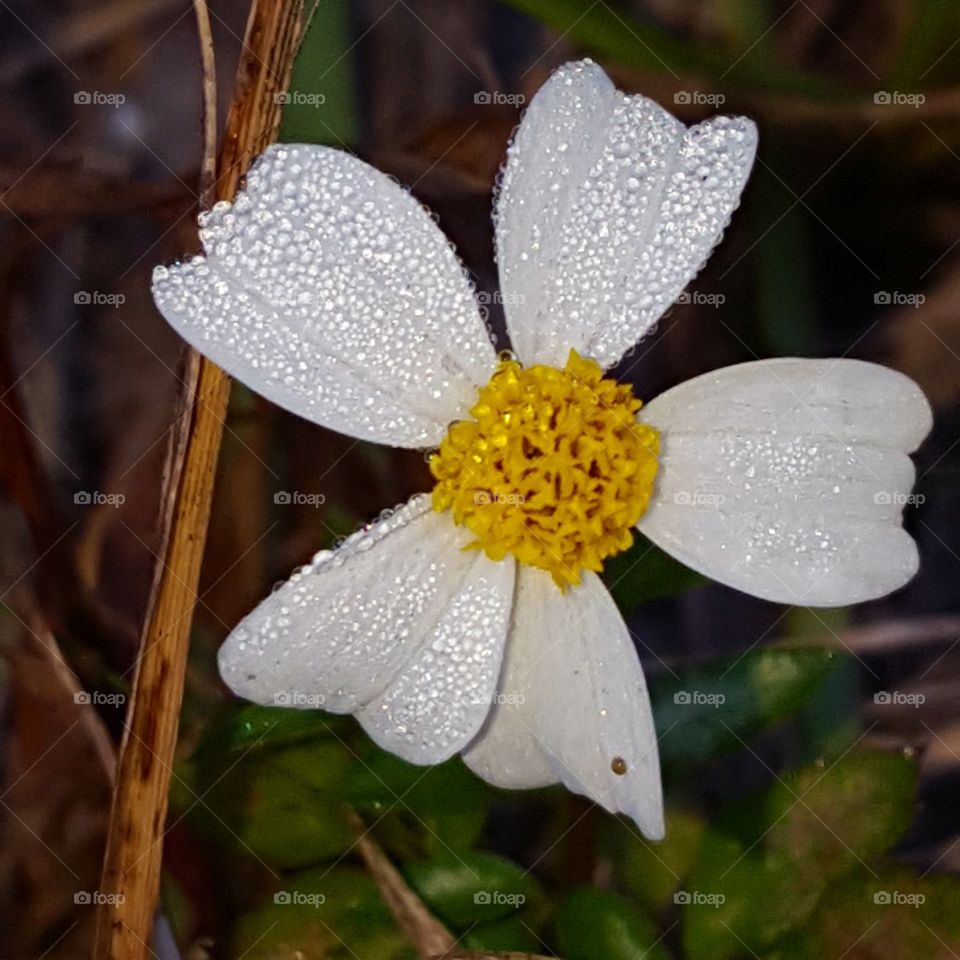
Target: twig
[428,935]
[134,847]
[42,654]
[430,938]
[889,635]
[208,166]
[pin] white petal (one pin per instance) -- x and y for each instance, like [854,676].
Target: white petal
[572,703]
[440,698]
[787,478]
[345,626]
[609,206]
[329,289]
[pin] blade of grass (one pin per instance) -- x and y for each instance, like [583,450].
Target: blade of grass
[623,39]
[131,871]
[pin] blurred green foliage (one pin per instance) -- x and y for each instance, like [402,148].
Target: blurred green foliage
[617,36]
[472,887]
[710,709]
[594,923]
[783,872]
[772,860]
[645,572]
[321,104]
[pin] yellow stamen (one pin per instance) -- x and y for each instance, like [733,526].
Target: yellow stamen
[554,467]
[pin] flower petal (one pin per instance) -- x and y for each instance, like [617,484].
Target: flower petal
[329,289]
[572,704]
[609,206]
[438,701]
[358,619]
[787,478]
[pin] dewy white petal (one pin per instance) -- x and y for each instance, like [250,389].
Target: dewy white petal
[549,158]
[399,606]
[572,704]
[330,290]
[608,207]
[787,478]
[438,701]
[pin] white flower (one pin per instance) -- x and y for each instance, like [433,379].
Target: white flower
[328,289]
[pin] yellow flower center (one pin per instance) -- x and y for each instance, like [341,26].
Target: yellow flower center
[553,468]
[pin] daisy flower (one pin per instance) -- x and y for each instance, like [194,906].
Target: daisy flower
[474,620]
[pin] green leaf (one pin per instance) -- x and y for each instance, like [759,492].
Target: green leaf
[712,708]
[594,924]
[293,816]
[282,807]
[421,811]
[791,842]
[252,727]
[829,724]
[818,814]
[321,915]
[653,872]
[380,778]
[894,914]
[512,934]
[287,826]
[452,830]
[615,35]
[645,572]
[740,900]
[471,887]
[321,101]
